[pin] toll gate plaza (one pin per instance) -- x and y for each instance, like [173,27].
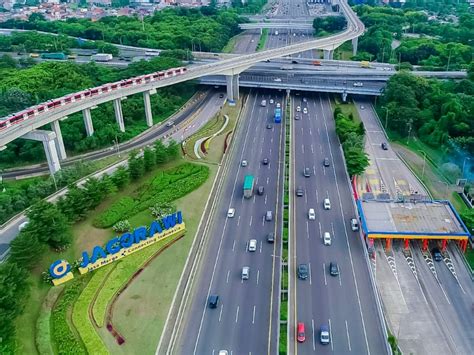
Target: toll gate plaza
[424,221]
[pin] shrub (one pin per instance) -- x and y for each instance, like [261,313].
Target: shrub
[121,226]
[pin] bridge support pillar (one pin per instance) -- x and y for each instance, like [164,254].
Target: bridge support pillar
[425,245]
[58,141]
[148,114]
[344,96]
[328,54]
[48,138]
[355,42]
[119,115]
[407,243]
[388,244]
[232,87]
[86,114]
[444,242]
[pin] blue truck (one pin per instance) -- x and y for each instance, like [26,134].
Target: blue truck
[278,115]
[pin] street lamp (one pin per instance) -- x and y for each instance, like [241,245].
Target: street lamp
[464,165]
[424,163]
[116,144]
[386,116]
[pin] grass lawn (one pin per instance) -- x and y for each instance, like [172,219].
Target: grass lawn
[151,293]
[229,47]
[262,40]
[348,108]
[470,257]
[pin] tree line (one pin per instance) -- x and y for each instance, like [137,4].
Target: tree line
[49,228]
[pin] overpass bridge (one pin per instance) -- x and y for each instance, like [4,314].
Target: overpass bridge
[302,26]
[26,123]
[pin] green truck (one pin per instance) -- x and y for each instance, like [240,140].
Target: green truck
[248,186]
[57,56]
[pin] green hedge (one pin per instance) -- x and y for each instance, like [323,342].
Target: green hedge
[43,329]
[63,338]
[165,187]
[80,313]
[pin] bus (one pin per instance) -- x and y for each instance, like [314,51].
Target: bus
[248,186]
[278,115]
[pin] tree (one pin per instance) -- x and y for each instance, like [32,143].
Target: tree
[136,166]
[172,150]
[120,177]
[357,161]
[25,249]
[149,159]
[161,153]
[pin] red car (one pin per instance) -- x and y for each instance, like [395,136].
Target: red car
[301,337]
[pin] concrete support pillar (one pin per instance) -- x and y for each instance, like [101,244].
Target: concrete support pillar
[119,115]
[148,114]
[86,114]
[407,243]
[425,245]
[443,244]
[48,138]
[328,54]
[388,243]
[344,96]
[58,141]
[355,42]
[232,87]
[463,245]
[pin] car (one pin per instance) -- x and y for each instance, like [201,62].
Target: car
[231,212]
[299,191]
[311,214]
[297,117]
[212,301]
[253,245]
[327,204]
[272,101]
[271,237]
[263,103]
[306,172]
[437,256]
[244,163]
[305,110]
[223,352]
[278,105]
[362,107]
[221,95]
[327,238]
[384,146]
[245,273]
[169,124]
[298,108]
[303,271]
[358,84]
[324,336]
[326,162]
[260,190]
[277,80]
[305,99]
[265,161]
[300,332]
[333,268]
[354,225]
[269,126]
[252,40]
[268,216]
[294,62]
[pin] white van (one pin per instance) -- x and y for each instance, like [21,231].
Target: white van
[327,238]
[264,103]
[354,224]
[327,204]
[245,273]
[231,213]
[253,245]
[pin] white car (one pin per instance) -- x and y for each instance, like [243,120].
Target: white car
[358,84]
[169,124]
[305,110]
[245,273]
[277,79]
[311,214]
[278,105]
[354,225]
[327,238]
[253,245]
[271,101]
[244,163]
[327,204]
[298,108]
[231,213]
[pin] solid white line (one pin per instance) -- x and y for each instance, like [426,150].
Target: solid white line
[314,335]
[251,218]
[237,314]
[258,275]
[324,272]
[253,316]
[220,313]
[330,334]
[348,337]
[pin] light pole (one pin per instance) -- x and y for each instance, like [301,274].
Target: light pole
[424,163]
[116,144]
[464,165]
[386,116]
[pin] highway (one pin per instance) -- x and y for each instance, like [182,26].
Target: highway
[345,303]
[244,320]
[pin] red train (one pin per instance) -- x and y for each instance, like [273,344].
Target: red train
[52,104]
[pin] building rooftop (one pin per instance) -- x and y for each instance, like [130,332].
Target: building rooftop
[436,219]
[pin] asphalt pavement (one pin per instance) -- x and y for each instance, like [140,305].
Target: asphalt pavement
[244,321]
[345,303]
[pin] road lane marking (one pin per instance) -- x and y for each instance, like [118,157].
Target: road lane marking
[270,151]
[317,196]
[312,149]
[268,179]
[251,219]
[220,313]
[332,228]
[261,243]
[321,148]
[265,199]
[227,278]
[258,275]
[271,140]
[253,315]
[253,198]
[306,198]
[348,337]
[320,231]
[310,132]
[340,282]
[237,315]
[310,278]
[330,334]
[314,334]
[263,221]
[233,245]
[324,272]
[307,229]
[302,148]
